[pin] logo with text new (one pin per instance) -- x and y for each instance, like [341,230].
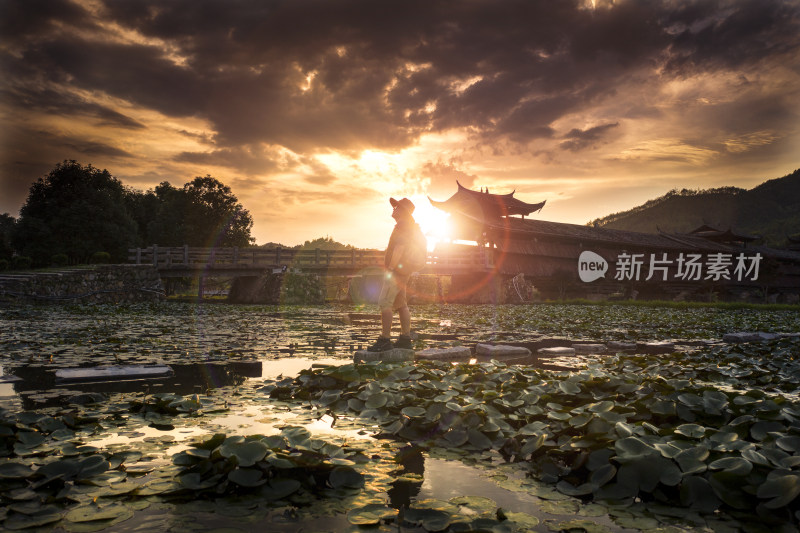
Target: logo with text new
[591,266]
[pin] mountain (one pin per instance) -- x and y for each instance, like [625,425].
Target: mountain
[770,210]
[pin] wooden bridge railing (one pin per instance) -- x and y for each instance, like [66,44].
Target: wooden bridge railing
[232,259]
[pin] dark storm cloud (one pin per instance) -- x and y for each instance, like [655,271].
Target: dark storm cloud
[580,139]
[34,17]
[443,177]
[250,160]
[731,34]
[352,74]
[47,100]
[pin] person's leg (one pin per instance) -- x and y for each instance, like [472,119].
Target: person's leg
[387,315]
[405,320]
[401,304]
[385,302]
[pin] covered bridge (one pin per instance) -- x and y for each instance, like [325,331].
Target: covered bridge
[573,261]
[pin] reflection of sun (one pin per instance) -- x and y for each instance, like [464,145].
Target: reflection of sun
[435,223]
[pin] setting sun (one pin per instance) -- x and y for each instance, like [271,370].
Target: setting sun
[435,223]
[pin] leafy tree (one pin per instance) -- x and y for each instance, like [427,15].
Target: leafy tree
[203,213]
[143,207]
[75,210]
[167,226]
[324,243]
[214,215]
[6,228]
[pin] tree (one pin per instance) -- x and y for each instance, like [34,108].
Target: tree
[324,243]
[167,226]
[6,229]
[77,211]
[214,216]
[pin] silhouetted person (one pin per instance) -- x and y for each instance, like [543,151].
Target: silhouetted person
[405,246]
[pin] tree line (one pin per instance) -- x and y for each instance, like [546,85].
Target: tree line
[77,213]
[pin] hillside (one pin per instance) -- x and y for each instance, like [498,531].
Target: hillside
[771,210]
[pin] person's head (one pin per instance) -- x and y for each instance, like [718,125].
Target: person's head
[403,208]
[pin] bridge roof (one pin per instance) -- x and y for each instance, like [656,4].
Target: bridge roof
[485,206]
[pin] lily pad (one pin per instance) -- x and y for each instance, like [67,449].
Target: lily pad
[25,521]
[246,453]
[371,515]
[782,489]
[429,519]
[12,470]
[738,466]
[247,477]
[693,431]
[95,513]
[345,477]
[278,488]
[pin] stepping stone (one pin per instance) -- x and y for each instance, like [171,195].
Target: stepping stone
[388,356]
[618,345]
[112,373]
[500,350]
[445,354]
[741,336]
[657,347]
[589,348]
[556,351]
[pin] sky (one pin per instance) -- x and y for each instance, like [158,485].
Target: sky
[315,112]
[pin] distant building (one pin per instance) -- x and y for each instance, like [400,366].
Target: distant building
[573,261]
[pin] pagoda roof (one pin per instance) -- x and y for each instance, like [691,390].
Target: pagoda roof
[713,234]
[485,206]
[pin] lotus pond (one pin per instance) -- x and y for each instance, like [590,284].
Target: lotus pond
[266,425]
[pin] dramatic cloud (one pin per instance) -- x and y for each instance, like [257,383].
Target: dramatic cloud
[401,97]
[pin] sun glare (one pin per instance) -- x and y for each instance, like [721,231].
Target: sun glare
[435,224]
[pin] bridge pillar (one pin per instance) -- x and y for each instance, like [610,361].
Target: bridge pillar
[483,288]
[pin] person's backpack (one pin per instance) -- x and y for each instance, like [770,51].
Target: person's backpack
[417,255]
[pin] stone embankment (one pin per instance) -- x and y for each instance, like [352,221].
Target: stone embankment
[98,284]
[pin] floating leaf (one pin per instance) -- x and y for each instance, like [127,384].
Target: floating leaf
[569,387]
[377,400]
[693,431]
[760,430]
[632,448]
[94,513]
[429,519]
[571,490]
[790,444]
[738,466]
[14,471]
[478,439]
[371,515]
[603,475]
[346,477]
[727,487]
[25,521]
[523,521]
[246,453]
[247,477]
[456,437]
[194,481]
[278,488]
[602,407]
[413,412]
[782,489]
[586,526]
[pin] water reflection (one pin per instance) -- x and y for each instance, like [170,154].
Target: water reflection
[406,489]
